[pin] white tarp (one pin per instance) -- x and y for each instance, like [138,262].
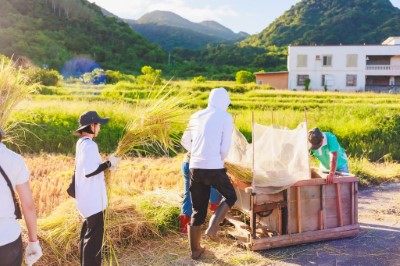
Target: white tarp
[280,157]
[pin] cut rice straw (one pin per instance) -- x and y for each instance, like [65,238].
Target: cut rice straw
[239,173]
[14,87]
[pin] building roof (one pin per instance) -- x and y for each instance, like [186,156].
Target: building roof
[277,72]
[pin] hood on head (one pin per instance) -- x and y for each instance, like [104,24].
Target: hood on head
[219,98]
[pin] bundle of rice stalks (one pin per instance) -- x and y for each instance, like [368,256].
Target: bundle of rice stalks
[239,173]
[14,87]
[154,125]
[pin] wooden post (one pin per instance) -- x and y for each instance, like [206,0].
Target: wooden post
[321,212]
[352,202]
[253,217]
[339,204]
[298,205]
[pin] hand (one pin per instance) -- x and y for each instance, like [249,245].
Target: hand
[33,252]
[329,178]
[114,162]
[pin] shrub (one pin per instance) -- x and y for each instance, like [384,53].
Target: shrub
[243,77]
[199,79]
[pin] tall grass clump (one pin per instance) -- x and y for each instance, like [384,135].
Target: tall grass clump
[14,87]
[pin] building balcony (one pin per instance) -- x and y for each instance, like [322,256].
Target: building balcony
[383,88]
[383,70]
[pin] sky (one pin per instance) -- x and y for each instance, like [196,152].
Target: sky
[238,15]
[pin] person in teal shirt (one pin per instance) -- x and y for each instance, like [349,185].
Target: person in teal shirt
[326,148]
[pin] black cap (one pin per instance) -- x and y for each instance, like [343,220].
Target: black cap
[90,117]
[315,137]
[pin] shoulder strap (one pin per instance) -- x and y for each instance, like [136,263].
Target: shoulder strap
[17,211]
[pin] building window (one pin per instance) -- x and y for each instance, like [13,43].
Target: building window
[301,80]
[323,80]
[351,80]
[327,60]
[351,60]
[302,60]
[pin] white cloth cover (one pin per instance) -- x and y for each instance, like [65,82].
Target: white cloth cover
[280,158]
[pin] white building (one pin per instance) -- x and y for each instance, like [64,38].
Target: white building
[346,67]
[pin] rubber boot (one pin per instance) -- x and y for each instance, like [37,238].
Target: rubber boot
[216,219]
[213,206]
[184,220]
[194,235]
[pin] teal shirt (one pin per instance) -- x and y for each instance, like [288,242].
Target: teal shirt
[331,145]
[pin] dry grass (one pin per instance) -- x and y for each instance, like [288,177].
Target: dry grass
[14,88]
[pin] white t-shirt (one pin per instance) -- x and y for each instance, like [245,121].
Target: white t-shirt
[90,192]
[14,166]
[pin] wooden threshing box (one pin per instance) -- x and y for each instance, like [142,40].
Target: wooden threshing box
[308,211]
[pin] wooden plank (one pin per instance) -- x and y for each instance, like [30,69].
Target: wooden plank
[240,227]
[339,203]
[298,205]
[306,237]
[322,181]
[268,198]
[356,202]
[271,221]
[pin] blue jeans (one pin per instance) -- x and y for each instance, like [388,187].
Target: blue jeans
[344,169]
[215,197]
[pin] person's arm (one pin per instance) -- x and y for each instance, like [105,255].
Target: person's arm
[226,137]
[186,140]
[332,170]
[28,209]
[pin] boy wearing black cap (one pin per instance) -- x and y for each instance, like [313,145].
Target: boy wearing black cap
[90,187]
[326,148]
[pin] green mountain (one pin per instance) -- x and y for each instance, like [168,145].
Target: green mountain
[51,32]
[171,31]
[331,22]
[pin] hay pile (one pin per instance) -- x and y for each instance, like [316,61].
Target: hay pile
[128,223]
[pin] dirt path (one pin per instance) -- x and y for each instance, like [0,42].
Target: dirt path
[377,244]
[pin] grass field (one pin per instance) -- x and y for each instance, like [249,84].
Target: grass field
[367,125]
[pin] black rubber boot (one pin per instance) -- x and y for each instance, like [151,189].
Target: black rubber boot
[194,234]
[216,219]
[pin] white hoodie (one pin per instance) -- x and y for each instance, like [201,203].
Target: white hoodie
[209,133]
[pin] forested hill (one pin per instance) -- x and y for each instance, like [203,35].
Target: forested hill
[50,32]
[331,22]
[171,31]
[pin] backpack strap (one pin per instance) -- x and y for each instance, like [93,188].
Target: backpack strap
[17,211]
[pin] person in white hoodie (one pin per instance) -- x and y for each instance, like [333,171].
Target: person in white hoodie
[208,138]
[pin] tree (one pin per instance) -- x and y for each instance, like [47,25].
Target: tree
[244,76]
[150,76]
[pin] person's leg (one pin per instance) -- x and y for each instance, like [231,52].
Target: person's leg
[11,254]
[81,240]
[186,211]
[200,193]
[224,186]
[93,240]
